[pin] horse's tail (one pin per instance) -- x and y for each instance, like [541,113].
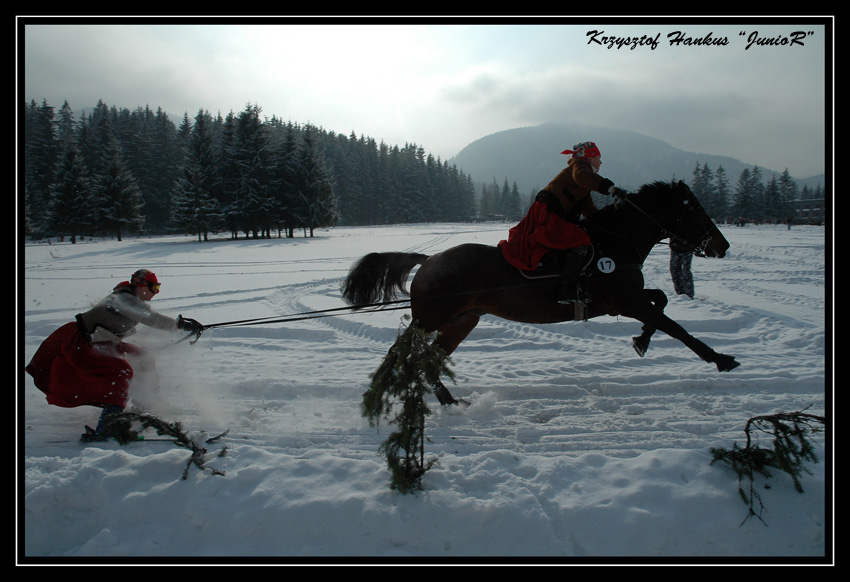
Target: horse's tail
[379,277]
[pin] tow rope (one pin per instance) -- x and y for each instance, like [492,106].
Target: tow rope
[319,313]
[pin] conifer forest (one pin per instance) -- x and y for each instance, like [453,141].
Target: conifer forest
[117,172]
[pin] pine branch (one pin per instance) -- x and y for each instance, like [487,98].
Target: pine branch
[412,368]
[120,426]
[791,448]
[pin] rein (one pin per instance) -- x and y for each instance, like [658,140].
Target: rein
[697,249]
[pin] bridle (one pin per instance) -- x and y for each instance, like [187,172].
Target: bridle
[698,248]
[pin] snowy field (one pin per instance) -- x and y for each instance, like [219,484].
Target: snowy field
[573,450]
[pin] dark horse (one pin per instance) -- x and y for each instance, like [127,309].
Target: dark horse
[454,288]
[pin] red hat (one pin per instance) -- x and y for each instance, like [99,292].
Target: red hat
[585,149]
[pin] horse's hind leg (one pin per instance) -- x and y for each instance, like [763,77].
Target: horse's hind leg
[659,300]
[444,396]
[449,337]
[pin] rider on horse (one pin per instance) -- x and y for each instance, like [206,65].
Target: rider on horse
[552,221]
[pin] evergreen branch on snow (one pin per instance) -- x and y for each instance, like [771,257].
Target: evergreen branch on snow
[120,426]
[411,369]
[791,448]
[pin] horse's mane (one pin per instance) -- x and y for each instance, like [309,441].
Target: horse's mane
[653,187]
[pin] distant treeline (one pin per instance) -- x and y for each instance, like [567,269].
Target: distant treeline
[116,172]
[751,200]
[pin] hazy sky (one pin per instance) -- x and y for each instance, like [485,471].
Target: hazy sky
[444,84]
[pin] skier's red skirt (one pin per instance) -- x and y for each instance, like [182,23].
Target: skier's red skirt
[72,371]
[537,233]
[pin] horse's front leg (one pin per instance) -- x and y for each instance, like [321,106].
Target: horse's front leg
[659,300]
[644,311]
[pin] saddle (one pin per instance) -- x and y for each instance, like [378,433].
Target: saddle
[553,262]
[550,266]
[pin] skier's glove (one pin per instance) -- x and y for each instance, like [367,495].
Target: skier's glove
[188,324]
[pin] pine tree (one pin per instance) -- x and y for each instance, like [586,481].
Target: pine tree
[118,199]
[100,140]
[771,201]
[250,151]
[698,184]
[342,154]
[137,136]
[195,206]
[787,196]
[466,196]
[229,172]
[505,208]
[416,191]
[166,167]
[721,188]
[746,200]
[70,207]
[314,183]
[488,205]
[65,125]
[756,189]
[705,189]
[283,175]
[514,210]
[41,153]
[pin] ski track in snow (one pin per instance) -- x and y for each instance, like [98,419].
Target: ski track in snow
[572,403]
[583,390]
[575,390]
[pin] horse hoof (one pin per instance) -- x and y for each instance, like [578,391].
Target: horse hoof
[446,399]
[725,363]
[444,396]
[641,345]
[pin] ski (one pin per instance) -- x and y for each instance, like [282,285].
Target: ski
[217,438]
[142,439]
[209,441]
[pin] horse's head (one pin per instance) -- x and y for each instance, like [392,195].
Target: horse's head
[709,241]
[688,224]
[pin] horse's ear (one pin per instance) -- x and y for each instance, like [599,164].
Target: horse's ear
[681,183]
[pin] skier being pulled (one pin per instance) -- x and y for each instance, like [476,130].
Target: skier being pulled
[87,361]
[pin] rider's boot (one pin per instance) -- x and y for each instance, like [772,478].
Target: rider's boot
[569,291]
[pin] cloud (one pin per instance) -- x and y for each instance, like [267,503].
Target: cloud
[446,86]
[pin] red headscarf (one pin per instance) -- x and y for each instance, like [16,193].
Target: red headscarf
[585,149]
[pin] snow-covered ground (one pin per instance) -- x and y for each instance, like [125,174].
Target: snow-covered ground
[573,449]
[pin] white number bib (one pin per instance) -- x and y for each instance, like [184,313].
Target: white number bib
[606,265]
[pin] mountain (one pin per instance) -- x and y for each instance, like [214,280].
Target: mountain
[530,156]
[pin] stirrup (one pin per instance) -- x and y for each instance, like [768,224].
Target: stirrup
[579,305]
[580,310]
